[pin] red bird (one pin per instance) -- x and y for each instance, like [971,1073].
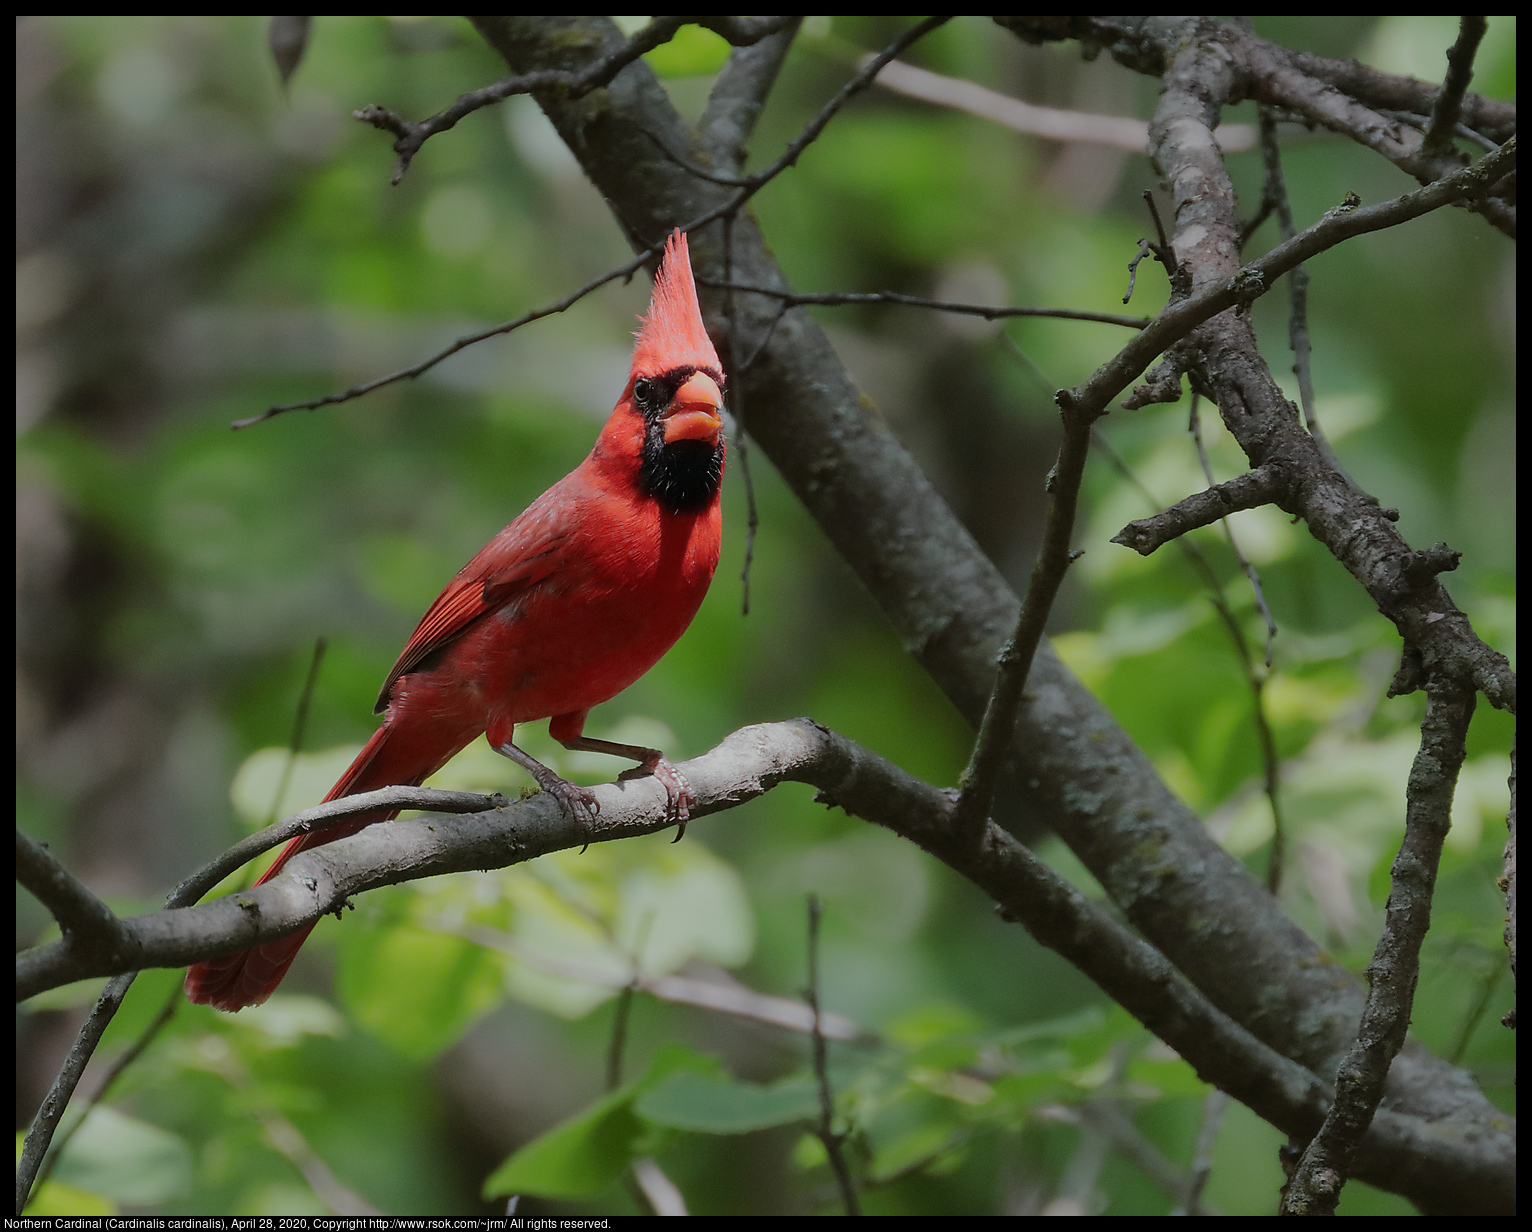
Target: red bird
[563,609]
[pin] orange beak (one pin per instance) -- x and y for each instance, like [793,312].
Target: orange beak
[693,414]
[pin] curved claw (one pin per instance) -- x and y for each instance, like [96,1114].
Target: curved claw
[579,802]
[679,796]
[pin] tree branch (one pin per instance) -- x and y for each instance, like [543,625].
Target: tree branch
[1449,103]
[320,817]
[997,729]
[1126,133]
[748,187]
[51,1111]
[77,910]
[1508,883]
[1395,968]
[1420,1159]
[1389,91]
[1270,74]
[739,94]
[412,135]
[1261,486]
[1077,769]
[837,299]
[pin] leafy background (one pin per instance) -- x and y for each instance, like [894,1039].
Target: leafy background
[195,244]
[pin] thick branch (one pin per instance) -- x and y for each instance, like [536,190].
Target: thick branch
[1353,526]
[1196,84]
[76,909]
[318,818]
[739,94]
[1389,91]
[745,765]
[1077,769]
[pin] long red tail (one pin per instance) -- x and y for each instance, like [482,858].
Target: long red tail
[250,976]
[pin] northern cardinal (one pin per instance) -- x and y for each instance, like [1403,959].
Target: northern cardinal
[563,609]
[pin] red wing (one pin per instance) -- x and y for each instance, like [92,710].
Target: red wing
[486,583]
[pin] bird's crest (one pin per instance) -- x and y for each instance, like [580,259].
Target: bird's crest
[673,335]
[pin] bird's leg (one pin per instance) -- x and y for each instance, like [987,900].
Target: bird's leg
[579,802]
[678,792]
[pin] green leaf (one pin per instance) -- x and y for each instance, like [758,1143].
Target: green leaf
[659,903]
[416,990]
[259,778]
[707,1104]
[693,52]
[52,1200]
[125,1159]
[914,1128]
[287,1019]
[586,1153]
[576,1159]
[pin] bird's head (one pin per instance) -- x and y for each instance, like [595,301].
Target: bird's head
[671,413]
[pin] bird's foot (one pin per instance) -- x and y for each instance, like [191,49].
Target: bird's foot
[679,796]
[579,802]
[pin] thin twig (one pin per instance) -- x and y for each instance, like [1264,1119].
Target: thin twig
[993,743]
[1124,133]
[425,365]
[1231,624]
[1395,967]
[300,724]
[410,136]
[61,1143]
[1202,1155]
[1449,103]
[1476,1014]
[755,183]
[1275,193]
[321,817]
[836,299]
[619,1040]
[826,1129]
[736,395]
[1143,251]
[1195,427]
[51,1110]
[1420,122]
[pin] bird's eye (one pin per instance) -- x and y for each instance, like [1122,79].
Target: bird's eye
[643,389]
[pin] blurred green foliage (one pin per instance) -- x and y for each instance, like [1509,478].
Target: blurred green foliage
[246,248]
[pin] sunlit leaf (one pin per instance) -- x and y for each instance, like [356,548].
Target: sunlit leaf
[693,52]
[589,1151]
